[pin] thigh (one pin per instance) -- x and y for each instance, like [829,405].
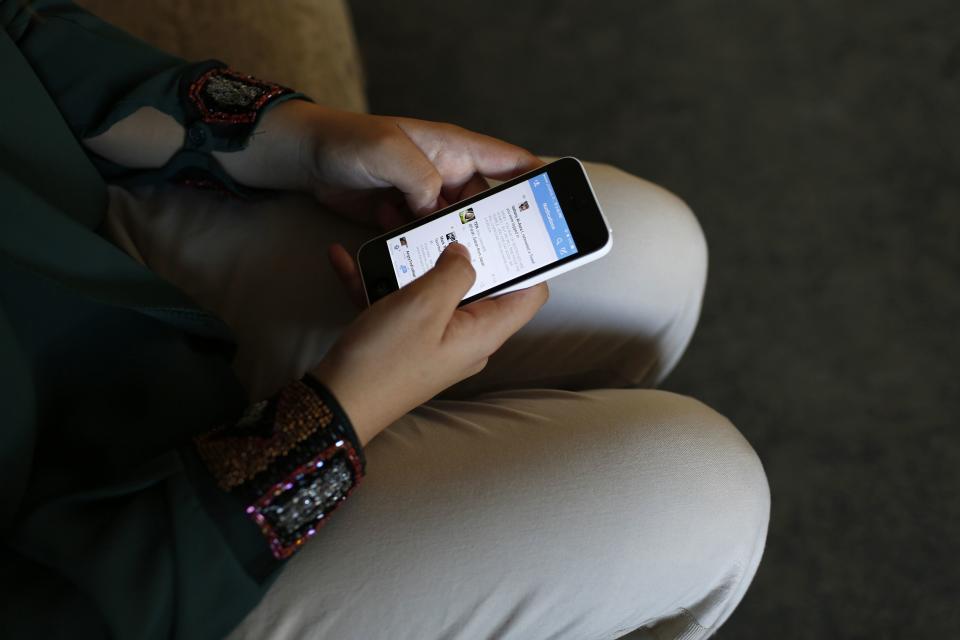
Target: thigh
[534,514]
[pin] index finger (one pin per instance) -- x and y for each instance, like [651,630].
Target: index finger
[440,289]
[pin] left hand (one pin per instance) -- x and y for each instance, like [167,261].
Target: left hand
[385,169]
[379,170]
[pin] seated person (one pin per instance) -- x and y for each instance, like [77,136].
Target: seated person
[191,407]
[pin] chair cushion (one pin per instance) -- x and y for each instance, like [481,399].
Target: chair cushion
[308,45]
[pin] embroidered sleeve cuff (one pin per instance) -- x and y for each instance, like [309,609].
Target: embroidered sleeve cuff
[218,107]
[291,460]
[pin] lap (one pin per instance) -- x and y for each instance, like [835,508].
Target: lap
[509,514]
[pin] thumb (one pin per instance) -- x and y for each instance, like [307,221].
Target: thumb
[449,279]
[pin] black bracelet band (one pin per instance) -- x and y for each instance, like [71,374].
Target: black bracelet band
[340,417]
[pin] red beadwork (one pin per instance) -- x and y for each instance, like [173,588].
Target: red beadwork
[207,184]
[212,115]
[255,510]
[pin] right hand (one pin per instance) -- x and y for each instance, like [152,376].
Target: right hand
[414,343]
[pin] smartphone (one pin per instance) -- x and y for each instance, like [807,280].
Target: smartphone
[519,233]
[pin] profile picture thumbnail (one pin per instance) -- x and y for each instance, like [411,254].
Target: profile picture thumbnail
[524,205]
[403,241]
[451,237]
[467,215]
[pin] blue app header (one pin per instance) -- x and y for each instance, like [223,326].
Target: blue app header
[552,215]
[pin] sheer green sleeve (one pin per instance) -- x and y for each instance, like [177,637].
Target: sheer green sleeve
[97,75]
[120,517]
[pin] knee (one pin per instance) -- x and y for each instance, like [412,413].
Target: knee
[733,506]
[654,229]
[699,497]
[710,460]
[712,489]
[659,256]
[735,494]
[690,500]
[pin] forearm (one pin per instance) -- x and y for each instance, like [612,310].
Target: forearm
[148,116]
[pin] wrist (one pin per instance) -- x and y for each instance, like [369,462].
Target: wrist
[280,151]
[352,405]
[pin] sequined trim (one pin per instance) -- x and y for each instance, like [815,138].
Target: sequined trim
[292,510]
[269,459]
[235,454]
[225,96]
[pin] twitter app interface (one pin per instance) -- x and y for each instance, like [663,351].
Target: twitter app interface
[509,234]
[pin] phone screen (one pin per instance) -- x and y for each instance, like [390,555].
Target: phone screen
[509,234]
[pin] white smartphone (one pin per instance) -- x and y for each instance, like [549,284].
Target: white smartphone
[524,231]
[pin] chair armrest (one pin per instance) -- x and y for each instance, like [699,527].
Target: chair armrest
[308,45]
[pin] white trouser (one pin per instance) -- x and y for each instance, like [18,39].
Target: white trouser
[549,496]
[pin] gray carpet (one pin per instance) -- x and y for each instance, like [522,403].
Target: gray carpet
[819,144]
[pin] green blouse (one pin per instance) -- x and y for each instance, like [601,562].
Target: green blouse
[113,526]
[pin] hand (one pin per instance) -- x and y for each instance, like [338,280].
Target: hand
[377,170]
[414,343]
[384,170]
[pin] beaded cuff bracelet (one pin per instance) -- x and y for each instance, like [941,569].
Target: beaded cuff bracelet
[293,458]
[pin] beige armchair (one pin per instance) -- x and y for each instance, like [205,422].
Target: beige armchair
[308,45]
